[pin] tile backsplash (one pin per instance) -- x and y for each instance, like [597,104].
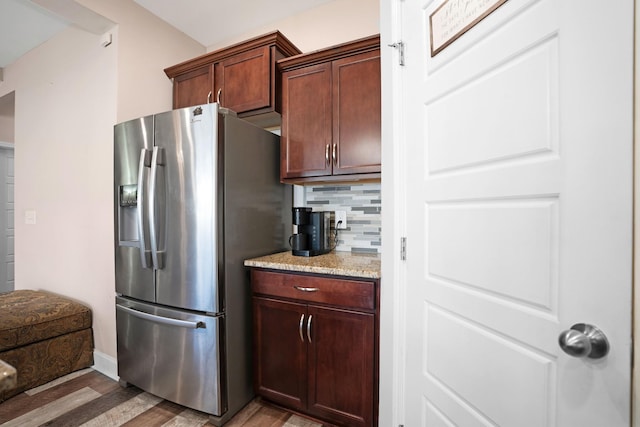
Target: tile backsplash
[362,203]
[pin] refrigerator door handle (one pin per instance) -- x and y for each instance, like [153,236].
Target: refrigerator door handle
[157,159]
[160,319]
[140,208]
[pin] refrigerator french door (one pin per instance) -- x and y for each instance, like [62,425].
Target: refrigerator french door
[172,160]
[196,192]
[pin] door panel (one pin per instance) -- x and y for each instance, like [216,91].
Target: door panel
[341,360]
[474,362]
[306,122]
[458,255]
[193,88]
[356,113]
[246,81]
[187,208]
[520,173]
[503,94]
[280,362]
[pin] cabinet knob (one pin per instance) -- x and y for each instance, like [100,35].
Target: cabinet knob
[209,97]
[335,154]
[326,155]
[218,96]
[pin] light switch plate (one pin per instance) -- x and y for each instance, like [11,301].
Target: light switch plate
[29,217]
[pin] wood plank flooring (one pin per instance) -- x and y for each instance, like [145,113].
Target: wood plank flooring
[89,398]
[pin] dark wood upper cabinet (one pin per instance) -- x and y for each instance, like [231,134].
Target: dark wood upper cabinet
[245,80]
[243,77]
[193,87]
[306,140]
[331,118]
[356,113]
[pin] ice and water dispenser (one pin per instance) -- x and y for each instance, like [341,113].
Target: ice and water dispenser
[127,216]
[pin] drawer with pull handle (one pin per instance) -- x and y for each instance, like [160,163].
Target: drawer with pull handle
[351,293]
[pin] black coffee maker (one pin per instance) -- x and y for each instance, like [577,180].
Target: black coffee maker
[313,232]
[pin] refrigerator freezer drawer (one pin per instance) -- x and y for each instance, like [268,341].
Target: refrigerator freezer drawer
[172,354]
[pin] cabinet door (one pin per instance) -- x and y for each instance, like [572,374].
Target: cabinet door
[245,80]
[193,88]
[280,351]
[341,366]
[356,114]
[306,122]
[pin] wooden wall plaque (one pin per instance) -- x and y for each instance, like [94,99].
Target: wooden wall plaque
[455,17]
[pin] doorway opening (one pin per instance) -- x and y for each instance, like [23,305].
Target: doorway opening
[7,232]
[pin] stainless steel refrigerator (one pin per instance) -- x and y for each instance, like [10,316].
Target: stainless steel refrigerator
[196,192]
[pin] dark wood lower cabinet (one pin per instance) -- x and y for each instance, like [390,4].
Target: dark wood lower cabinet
[281,362]
[316,358]
[340,366]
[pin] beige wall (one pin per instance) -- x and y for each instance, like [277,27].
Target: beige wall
[65,106]
[326,25]
[147,46]
[69,92]
[6,129]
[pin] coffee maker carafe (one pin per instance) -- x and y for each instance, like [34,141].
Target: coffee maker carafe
[313,232]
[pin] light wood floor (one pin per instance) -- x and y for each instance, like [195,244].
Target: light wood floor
[89,398]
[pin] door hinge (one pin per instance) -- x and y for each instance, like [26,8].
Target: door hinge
[403,248]
[400,46]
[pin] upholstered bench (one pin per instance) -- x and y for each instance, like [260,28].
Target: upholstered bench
[44,336]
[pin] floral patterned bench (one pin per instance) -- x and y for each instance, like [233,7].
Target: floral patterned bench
[44,336]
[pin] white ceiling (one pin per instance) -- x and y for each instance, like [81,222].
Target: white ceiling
[25,24]
[211,22]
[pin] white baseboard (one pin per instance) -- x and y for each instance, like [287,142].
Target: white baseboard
[106,365]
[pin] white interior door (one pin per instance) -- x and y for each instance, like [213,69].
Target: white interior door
[7,280]
[519,214]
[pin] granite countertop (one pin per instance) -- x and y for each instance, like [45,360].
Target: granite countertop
[333,263]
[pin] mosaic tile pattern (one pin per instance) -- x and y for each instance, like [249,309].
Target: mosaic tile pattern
[362,202]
